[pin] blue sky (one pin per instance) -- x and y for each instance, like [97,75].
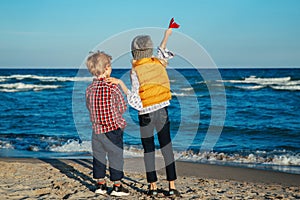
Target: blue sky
[60,33]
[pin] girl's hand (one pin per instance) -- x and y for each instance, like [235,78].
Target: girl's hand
[112,80]
[163,43]
[168,32]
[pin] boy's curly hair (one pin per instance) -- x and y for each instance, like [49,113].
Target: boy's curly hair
[97,62]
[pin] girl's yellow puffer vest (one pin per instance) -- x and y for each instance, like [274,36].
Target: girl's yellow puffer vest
[153,79]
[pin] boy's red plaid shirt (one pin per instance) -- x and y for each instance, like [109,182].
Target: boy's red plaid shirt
[106,105]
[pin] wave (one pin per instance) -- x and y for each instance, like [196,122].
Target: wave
[187,89]
[267,81]
[85,146]
[262,81]
[293,83]
[183,94]
[281,160]
[64,145]
[19,87]
[281,83]
[255,87]
[37,142]
[44,78]
[73,145]
[276,157]
[287,87]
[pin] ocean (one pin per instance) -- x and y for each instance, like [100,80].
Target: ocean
[248,117]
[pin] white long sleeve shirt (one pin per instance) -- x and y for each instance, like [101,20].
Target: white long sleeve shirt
[133,97]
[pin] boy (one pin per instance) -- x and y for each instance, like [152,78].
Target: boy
[106,105]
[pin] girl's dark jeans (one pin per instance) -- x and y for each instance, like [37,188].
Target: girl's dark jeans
[160,121]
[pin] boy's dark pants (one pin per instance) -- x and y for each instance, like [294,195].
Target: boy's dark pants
[160,121]
[110,144]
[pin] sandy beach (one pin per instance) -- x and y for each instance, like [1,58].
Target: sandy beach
[22,178]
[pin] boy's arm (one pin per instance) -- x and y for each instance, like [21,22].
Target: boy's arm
[164,41]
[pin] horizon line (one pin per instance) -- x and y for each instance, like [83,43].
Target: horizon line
[118,67]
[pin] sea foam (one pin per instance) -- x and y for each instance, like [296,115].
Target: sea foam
[17,87]
[256,83]
[44,78]
[276,157]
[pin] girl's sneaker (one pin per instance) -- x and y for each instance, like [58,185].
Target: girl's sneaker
[153,193]
[119,191]
[174,192]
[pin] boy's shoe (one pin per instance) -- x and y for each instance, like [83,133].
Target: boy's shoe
[101,189]
[119,191]
[174,192]
[152,192]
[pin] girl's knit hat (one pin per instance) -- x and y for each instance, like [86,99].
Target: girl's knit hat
[142,47]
